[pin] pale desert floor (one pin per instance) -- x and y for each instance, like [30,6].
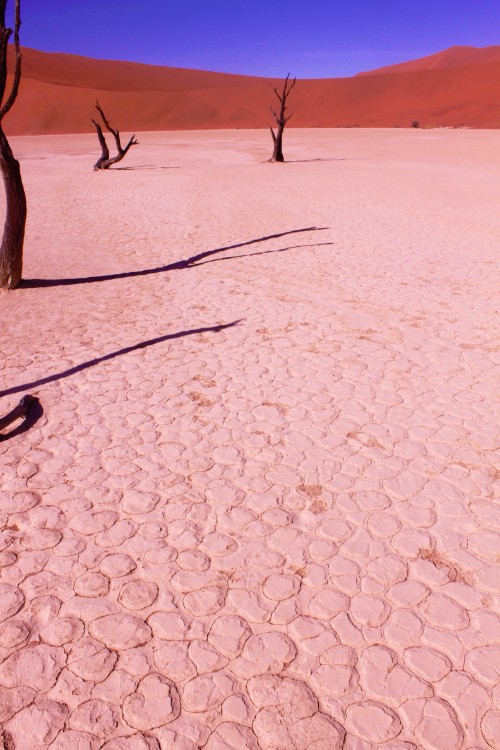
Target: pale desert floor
[257,511]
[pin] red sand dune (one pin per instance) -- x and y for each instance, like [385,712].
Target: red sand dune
[454,57]
[58,93]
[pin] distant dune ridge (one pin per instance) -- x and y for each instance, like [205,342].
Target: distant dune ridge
[454,57]
[458,86]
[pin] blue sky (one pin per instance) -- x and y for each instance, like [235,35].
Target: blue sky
[309,38]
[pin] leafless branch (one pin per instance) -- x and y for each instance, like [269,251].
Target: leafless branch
[281,118]
[104,146]
[6,33]
[105,161]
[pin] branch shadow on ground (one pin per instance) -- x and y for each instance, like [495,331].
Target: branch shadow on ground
[319,158]
[140,168]
[33,414]
[263,252]
[179,265]
[112,355]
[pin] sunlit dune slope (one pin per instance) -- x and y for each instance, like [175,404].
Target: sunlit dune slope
[454,57]
[58,94]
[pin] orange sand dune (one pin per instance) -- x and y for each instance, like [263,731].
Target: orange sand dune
[58,94]
[454,57]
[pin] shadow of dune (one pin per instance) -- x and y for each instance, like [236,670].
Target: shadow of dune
[112,355]
[33,414]
[176,266]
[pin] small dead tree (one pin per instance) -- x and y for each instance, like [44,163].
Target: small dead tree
[11,250]
[281,120]
[104,162]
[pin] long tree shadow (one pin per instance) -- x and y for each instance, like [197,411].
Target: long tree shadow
[35,411]
[140,168]
[176,266]
[319,158]
[112,355]
[263,252]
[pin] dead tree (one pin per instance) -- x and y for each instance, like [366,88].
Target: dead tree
[104,162]
[281,120]
[11,250]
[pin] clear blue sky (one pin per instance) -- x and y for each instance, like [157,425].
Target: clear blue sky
[309,38]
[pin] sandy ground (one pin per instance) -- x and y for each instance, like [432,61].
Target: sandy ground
[257,511]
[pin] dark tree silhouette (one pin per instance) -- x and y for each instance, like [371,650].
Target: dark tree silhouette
[11,250]
[104,162]
[281,120]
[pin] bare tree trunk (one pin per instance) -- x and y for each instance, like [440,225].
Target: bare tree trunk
[281,120]
[104,147]
[11,249]
[104,162]
[278,144]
